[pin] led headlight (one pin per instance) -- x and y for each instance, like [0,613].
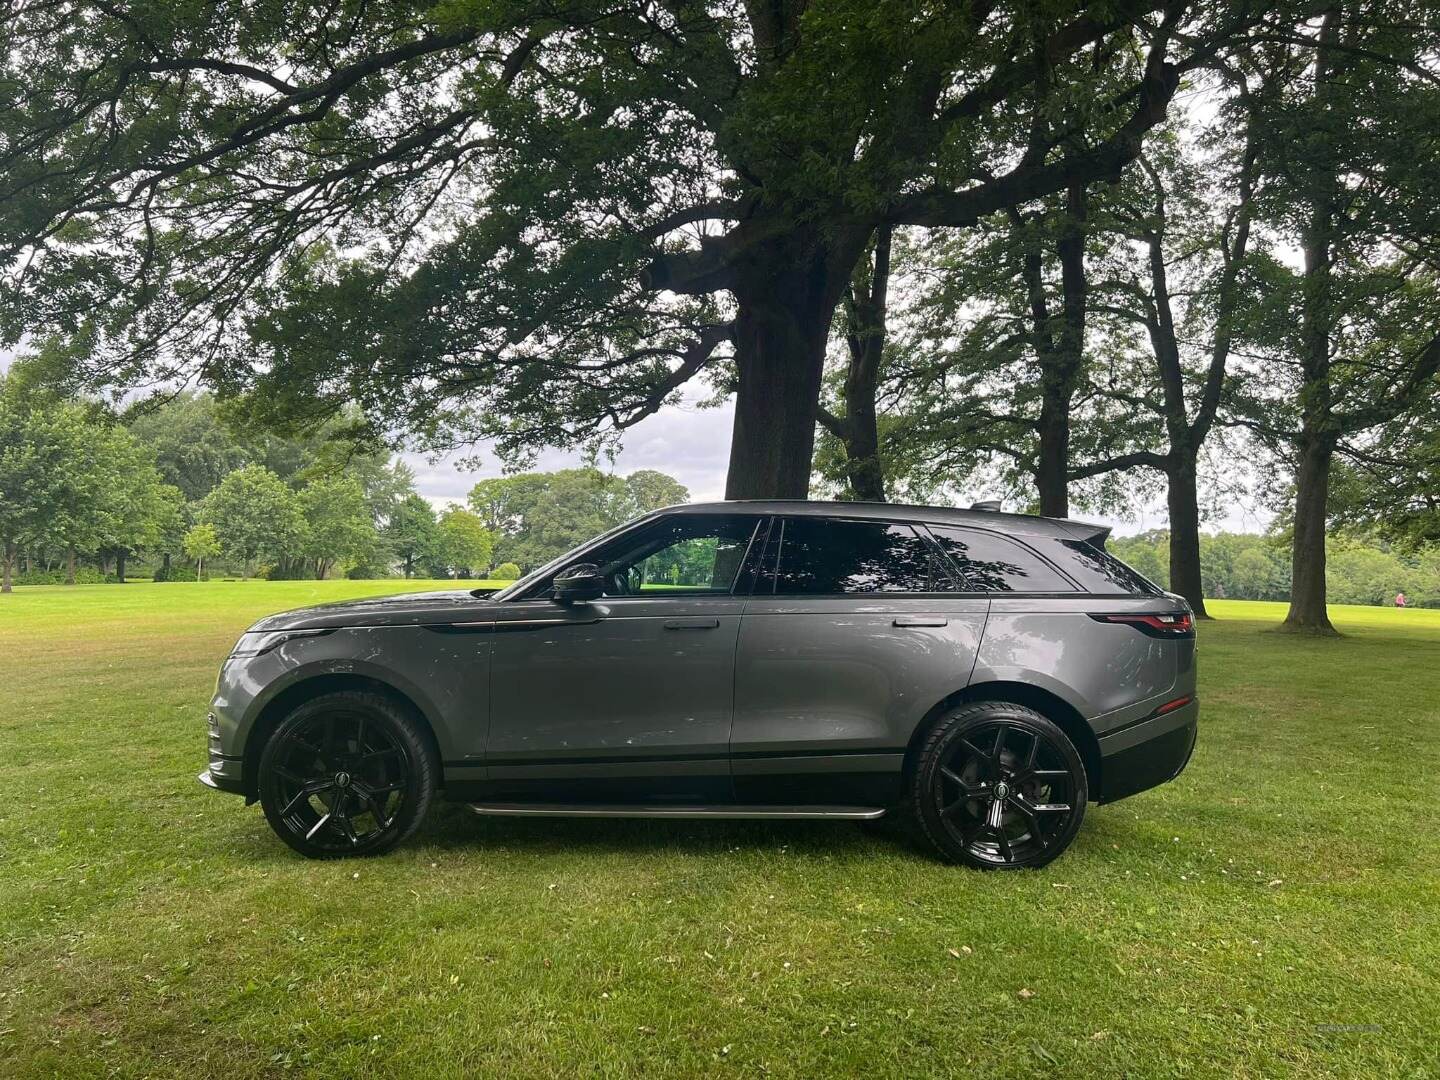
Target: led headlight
[256,644]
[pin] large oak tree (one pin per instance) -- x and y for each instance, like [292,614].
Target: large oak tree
[534,220]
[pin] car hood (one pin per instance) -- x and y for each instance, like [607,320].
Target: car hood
[404,609]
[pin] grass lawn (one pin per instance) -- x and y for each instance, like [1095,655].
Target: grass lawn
[1274,912]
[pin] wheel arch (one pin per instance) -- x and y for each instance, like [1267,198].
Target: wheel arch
[305,689]
[1047,703]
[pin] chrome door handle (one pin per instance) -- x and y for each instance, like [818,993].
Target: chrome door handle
[691,624]
[913,620]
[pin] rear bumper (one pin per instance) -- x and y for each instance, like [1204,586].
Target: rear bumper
[1148,753]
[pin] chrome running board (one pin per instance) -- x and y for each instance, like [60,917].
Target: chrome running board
[845,813]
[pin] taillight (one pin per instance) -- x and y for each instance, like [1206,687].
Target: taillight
[1176,624]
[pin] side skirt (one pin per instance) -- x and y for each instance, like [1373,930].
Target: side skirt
[844,813]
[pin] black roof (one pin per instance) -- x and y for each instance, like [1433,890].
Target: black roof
[938,515]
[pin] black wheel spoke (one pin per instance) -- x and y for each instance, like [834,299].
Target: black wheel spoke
[314,787]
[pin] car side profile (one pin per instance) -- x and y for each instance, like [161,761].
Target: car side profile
[985,675]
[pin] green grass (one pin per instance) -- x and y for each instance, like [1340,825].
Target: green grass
[1274,912]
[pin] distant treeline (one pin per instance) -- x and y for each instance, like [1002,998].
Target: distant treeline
[1244,566]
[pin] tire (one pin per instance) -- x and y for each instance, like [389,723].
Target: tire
[347,773]
[986,747]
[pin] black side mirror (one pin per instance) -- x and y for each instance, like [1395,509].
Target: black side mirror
[578,583]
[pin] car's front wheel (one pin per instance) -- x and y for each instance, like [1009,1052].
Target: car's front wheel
[998,786]
[347,773]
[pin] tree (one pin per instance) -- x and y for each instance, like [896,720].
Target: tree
[463,545]
[136,509]
[1350,157]
[193,448]
[200,544]
[854,424]
[337,522]
[411,532]
[702,205]
[254,514]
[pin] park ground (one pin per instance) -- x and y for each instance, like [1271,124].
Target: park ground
[1274,912]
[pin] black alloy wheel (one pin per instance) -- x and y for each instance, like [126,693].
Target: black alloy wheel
[998,786]
[346,773]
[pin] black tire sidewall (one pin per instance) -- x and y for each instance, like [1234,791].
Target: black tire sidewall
[952,727]
[421,769]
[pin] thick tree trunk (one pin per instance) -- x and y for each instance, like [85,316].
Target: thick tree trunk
[1308,613]
[785,297]
[165,564]
[70,565]
[1316,445]
[1184,504]
[6,585]
[120,554]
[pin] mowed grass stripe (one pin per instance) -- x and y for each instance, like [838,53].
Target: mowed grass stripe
[148,927]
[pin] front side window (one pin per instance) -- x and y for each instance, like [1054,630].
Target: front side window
[825,557]
[993,563]
[690,554]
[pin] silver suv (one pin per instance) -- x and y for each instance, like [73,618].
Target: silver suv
[984,675]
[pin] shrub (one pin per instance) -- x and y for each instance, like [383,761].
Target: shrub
[506,571]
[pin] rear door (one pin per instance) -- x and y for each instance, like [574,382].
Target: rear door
[855,629]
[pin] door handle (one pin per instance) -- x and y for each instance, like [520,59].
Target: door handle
[691,624]
[920,620]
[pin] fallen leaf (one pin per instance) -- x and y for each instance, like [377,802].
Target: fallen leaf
[1026,993]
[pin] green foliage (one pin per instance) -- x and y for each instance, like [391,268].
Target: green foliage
[255,515]
[1242,566]
[506,571]
[463,546]
[411,532]
[337,523]
[201,542]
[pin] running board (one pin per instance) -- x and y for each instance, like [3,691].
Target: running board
[811,813]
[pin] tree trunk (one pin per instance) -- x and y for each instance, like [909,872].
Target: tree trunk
[1061,352]
[70,565]
[1307,574]
[120,554]
[165,564]
[9,559]
[785,297]
[1184,503]
[1316,445]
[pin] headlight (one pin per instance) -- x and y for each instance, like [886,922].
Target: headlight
[254,644]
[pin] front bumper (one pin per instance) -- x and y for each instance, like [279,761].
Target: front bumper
[224,773]
[1148,753]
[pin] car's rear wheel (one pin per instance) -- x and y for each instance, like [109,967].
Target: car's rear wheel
[347,773]
[999,787]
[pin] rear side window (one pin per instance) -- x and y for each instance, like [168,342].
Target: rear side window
[823,557]
[1098,571]
[992,563]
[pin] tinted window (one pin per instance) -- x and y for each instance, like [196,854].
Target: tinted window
[822,556]
[991,563]
[685,554]
[1098,571]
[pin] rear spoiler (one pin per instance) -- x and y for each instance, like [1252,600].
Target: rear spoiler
[1088,531]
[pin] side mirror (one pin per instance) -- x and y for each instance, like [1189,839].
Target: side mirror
[578,583]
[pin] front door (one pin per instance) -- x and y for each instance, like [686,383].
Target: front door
[630,697]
